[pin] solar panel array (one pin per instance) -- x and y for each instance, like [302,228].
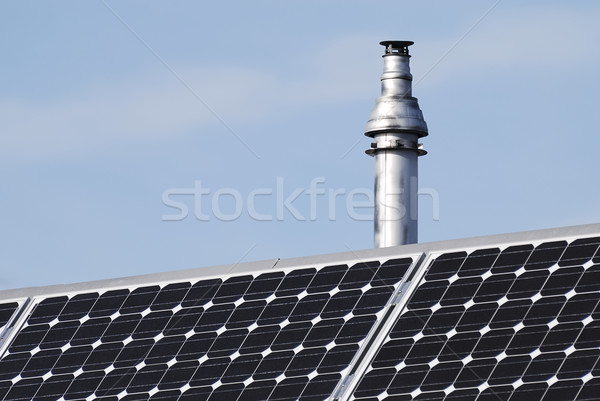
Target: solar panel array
[508,321]
[518,324]
[277,335]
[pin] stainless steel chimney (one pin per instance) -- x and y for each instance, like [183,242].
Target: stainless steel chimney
[396,124]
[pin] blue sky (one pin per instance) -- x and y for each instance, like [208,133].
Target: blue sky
[105,105]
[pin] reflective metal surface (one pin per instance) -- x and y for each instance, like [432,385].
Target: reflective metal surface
[396,123]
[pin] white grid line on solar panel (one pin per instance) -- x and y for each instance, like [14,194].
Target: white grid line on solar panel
[56,321]
[407,285]
[439,340]
[162,284]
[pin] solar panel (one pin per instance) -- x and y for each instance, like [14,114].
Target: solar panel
[276,335]
[507,318]
[518,323]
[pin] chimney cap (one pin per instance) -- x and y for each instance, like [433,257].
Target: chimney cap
[397,43]
[396,47]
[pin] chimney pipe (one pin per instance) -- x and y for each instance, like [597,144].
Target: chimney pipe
[396,124]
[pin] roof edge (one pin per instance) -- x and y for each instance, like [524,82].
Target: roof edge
[541,235]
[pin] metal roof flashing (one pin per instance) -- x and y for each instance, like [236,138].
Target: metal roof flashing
[497,240]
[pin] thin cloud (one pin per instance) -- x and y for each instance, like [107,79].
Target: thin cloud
[554,36]
[157,107]
[149,109]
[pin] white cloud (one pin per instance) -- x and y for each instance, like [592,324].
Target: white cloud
[144,109]
[157,106]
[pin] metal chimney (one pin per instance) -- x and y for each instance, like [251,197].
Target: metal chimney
[396,124]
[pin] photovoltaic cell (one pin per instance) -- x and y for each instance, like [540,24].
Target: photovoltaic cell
[271,336]
[497,323]
[514,324]
[7,310]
